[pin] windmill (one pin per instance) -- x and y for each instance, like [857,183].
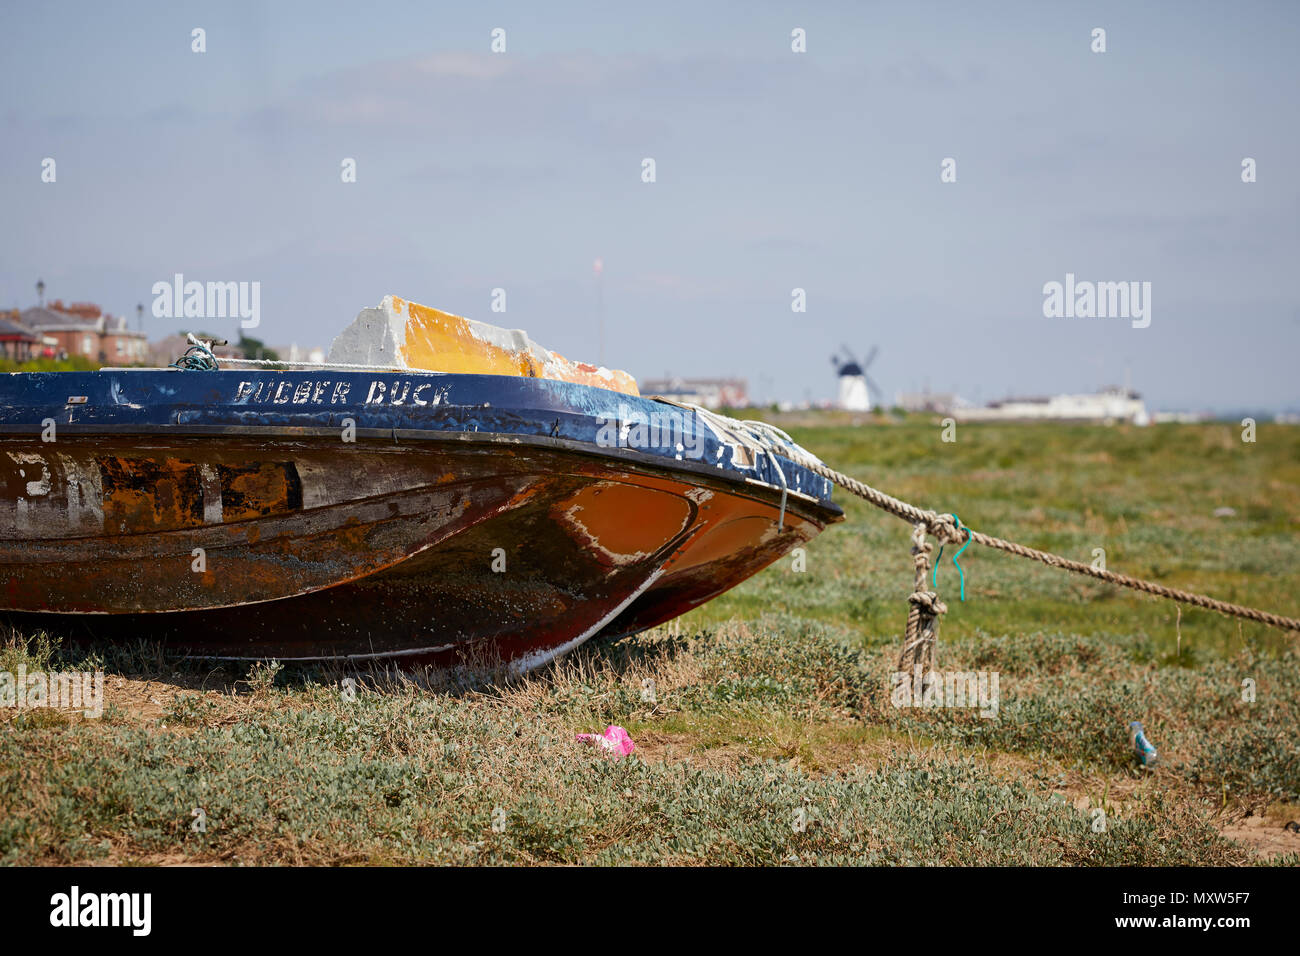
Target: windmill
[854,393]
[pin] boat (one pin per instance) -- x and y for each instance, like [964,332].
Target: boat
[438,492]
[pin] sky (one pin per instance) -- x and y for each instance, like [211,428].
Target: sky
[774,170]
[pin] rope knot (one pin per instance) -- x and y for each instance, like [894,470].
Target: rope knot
[929,601]
[944,527]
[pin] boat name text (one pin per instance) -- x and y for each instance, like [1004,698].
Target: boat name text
[327,392]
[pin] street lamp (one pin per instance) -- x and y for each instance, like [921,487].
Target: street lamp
[40,292]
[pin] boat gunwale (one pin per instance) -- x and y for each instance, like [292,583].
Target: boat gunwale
[834,513]
[526,399]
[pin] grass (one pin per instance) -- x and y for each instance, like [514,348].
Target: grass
[73,363]
[763,720]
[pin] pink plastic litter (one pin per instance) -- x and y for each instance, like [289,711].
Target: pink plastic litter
[615,741]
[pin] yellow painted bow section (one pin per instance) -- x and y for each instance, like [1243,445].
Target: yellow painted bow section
[443,342]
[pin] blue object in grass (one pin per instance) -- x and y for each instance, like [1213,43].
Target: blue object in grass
[1143,748]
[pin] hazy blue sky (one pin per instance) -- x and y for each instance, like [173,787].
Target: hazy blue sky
[775,170]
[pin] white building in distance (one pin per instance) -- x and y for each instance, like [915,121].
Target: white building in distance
[853,394]
[939,403]
[1111,404]
[705,392]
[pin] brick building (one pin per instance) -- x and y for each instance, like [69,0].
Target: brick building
[17,342]
[83,328]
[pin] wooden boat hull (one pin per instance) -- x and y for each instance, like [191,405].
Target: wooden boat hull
[442,545]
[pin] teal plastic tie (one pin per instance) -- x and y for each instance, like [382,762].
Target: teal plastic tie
[934,577]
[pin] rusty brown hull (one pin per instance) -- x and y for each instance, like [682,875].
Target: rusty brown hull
[429,552]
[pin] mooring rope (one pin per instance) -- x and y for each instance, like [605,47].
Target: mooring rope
[943,527]
[949,530]
[923,611]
